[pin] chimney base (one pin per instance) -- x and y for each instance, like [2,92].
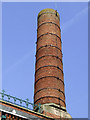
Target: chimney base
[54,110]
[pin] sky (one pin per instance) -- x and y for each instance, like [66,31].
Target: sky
[19,34]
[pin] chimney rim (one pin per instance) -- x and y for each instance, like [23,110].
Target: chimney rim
[48,10]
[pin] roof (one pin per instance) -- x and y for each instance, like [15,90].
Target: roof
[19,111]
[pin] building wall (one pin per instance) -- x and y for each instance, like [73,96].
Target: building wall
[15,112]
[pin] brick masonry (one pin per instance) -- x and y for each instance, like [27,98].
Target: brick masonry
[49,77]
[22,113]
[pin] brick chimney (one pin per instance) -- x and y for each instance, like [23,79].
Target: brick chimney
[49,77]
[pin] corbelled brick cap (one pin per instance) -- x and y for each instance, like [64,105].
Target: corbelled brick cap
[48,10]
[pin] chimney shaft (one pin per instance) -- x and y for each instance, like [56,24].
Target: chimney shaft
[49,81]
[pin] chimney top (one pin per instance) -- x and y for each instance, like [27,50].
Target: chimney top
[48,10]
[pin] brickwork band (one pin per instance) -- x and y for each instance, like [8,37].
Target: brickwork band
[49,81]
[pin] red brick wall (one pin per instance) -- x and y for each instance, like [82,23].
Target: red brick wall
[15,107]
[0,115]
[49,81]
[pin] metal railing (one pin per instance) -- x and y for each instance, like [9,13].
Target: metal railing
[19,102]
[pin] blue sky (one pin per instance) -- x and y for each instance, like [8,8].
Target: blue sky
[19,34]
